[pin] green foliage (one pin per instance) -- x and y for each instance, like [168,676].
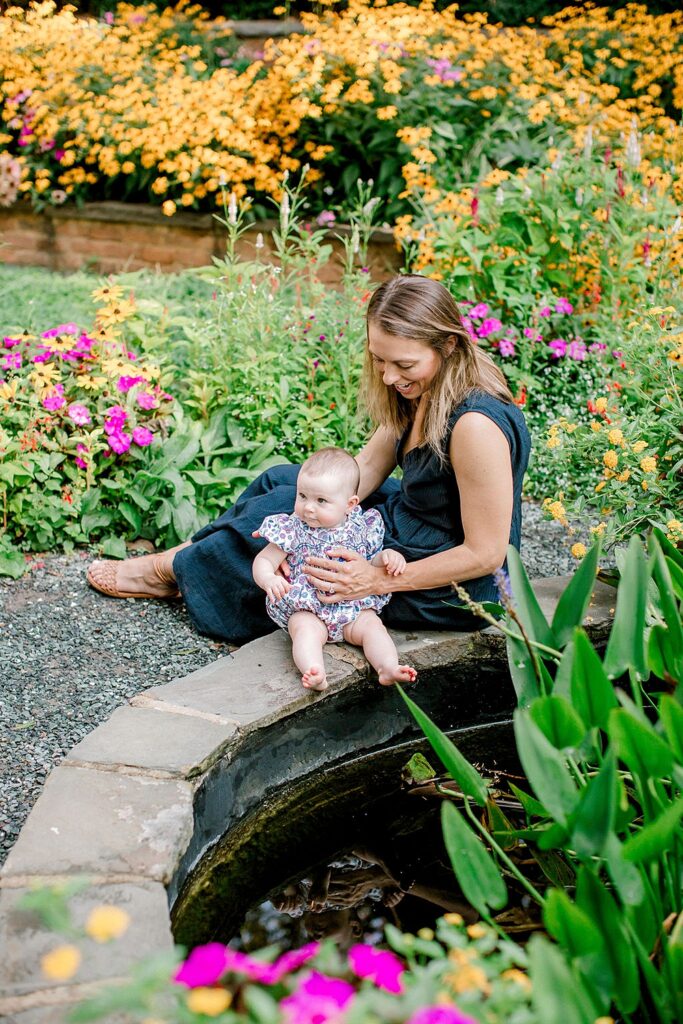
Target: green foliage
[606,773]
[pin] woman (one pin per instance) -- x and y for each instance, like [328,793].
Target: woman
[445,415]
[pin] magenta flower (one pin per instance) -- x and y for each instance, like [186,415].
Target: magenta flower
[326,218]
[506,347]
[318,1000]
[81,463]
[116,417]
[142,436]
[598,346]
[532,334]
[42,357]
[558,347]
[204,966]
[563,306]
[479,311]
[146,400]
[440,1015]
[288,962]
[11,361]
[119,442]
[11,342]
[577,350]
[126,383]
[546,311]
[78,414]
[54,399]
[380,966]
[488,326]
[70,328]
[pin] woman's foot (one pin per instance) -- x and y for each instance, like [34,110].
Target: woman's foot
[315,678]
[148,576]
[397,674]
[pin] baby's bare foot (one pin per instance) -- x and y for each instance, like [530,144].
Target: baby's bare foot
[397,674]
[315,678]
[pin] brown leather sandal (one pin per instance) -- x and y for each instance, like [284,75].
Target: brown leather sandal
[101,575]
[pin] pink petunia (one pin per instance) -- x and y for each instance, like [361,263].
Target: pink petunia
[506,347]
[489,326]
[119,442]
[204,966]
[558,347]
[546,311]
[318,1000]
[288,962]
[379,965]
[577,350]
[146,400]
[440,1015]
[11,361]
[142,436]
[479,311]
[563,306]
[11,342]
[126,383]
[116,416]
[81,463]
[326,218]
[532,334]
[54,332]
[79,414]
[54,399]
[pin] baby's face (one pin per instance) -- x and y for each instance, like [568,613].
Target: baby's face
[322,501]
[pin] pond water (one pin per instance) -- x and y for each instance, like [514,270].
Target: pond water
[338,854]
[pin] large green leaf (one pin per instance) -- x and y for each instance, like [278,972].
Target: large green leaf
[574,601]
[467,777]
[576,933]
[668,549]
[558,721]
[671,716]
[599,904]
[477,872]
[557,994]
[626,645]
[625,876]
[545,768]
[524,678]
[525,602]
[657,837]
[591,691]
[639,746]
[594,818]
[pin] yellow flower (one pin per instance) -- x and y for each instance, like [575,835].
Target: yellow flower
[115,313]
[599,529]
[639,447]
[519,978]
[8,390]
[600,404]
[615,436]
[556,509]
[452,918]
[624,476]
[675,528]
[387,113]
[43,375]
[61,963]
[578,550]
[599,487]
[553,442]
[648,464]
[476,931]
[596,426]
[168,208]
[610,459]
[209,1001]
[105,923]
[644,484]
[108,293]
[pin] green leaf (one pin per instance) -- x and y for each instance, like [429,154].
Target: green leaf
[570,925]
[262,1006]
[572,606]
[639,746]
[657,837]
[626,645]
[676,574]
[558,721]
[668,549]
[599,905]
[530,805]
[184,519]
[521,667]
[12,564]
[477,872]
[466,776]
[625,876]
[557,995]
[591,691]
[594,818]
[114,547]
[545,768]
[526,603]
[671,716]
[663,656]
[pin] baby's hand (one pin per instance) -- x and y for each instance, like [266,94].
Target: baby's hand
[393,562]
[277,587]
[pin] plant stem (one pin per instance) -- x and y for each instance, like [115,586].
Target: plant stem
[502,855]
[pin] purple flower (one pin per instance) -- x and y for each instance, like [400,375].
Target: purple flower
[142,436]
[116,417]
[546,311]
[146,400]
[54,399]
[382,967]
[440,1015]
[577,350]
[480,310]
[119,442]
[325,219]
[597,346]
[317,1000]
[204,966]
[558,347]
[563,306]
[126,383]
[78,414]
[506,347]
[488,326]
[617,353]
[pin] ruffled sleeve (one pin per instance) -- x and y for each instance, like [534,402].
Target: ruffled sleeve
[282,530]
[374,532]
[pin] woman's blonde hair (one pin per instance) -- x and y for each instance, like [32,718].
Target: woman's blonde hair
[421,309]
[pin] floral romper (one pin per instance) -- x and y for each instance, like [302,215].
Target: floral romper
[362,532]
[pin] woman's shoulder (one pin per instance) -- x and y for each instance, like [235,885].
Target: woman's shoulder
[506,415]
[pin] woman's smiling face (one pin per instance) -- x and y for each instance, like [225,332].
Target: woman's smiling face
[406,365]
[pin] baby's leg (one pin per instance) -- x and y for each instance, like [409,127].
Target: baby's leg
[368,632]
[308,635]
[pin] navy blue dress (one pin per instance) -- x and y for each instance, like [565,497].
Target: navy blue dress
[421,516]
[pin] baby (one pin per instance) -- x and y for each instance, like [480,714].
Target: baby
[327,515]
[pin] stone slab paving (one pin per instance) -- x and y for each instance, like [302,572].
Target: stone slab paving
[121,808]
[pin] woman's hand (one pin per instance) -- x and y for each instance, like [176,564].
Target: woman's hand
[349,580]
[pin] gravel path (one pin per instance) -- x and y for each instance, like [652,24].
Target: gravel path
[69,656]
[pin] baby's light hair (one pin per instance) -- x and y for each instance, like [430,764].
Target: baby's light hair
[335,461]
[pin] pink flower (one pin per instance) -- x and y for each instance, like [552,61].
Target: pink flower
[288,962]
[81,463]
[325,219]
[119,442]
[146,400]
[70,328]
[577,350]
[440,1015]
[558,347]
[317,1000]
[78,414]
[11,361]
[54,399]
[546,311]
[204,966]
[11,342]
[506,347]
[532,334]
[116,417]
[480,310]
[382,967]
[563,306]
[126,383]
[142,436]
[488,326]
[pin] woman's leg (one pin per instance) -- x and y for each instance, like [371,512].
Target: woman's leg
[146,576]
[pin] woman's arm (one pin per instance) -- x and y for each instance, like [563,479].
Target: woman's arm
[480,456]
[376,461]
